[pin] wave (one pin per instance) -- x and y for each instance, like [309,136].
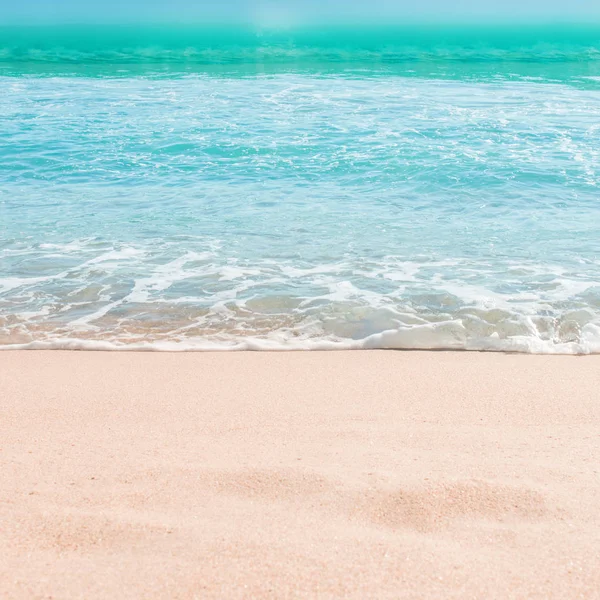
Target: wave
[136,323]
[108,50]
[440,336]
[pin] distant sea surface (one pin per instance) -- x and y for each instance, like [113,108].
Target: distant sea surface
[230,188]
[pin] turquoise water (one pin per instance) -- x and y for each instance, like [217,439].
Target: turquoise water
[192,188]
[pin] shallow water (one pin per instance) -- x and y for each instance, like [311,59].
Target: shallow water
[300,190]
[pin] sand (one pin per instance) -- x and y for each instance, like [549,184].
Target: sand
[367,474]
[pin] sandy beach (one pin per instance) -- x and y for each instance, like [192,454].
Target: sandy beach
[367,474]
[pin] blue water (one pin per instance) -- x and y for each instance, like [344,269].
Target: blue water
[315,189]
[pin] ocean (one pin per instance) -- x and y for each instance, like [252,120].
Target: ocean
[189,188]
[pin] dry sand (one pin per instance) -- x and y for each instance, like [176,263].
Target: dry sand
[341,474]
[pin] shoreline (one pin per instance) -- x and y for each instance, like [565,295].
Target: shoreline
[383,341]
[292,350]
[416,474]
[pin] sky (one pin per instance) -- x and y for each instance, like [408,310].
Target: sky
[291,12]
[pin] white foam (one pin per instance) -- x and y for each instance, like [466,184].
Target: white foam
[447,335]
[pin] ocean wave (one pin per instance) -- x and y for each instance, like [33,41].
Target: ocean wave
[440,336]
[264,54]
[561,53]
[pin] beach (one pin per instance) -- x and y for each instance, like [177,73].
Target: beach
[356,474]
[299,303]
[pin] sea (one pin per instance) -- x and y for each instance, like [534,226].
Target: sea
[195,187]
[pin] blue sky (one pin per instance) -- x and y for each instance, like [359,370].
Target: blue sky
[289,12]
